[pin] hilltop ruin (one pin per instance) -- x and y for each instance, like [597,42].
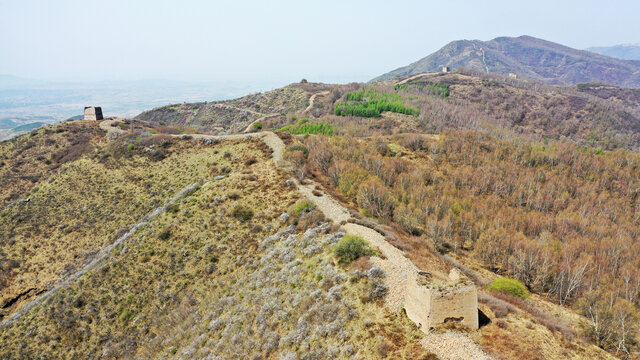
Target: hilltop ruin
[430,302]
[93,113]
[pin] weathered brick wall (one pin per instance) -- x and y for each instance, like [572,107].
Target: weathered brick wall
[417,304]
[458,304]
[429,306]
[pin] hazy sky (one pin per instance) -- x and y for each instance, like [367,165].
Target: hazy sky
[278,41]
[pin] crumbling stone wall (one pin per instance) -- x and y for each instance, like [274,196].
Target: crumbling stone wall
[459,304]
[431,303]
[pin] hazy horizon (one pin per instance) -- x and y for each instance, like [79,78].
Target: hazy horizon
[247,41]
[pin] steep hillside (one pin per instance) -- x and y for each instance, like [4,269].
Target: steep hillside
[527,57]
[542,213]
[163,246]
[625,52]
[589,114]
[230,116]
[66,205]
[594,115]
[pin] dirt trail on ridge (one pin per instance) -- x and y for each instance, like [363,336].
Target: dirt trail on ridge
[313,98]
[398,268]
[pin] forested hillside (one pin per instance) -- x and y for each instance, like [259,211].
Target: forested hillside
[560,218]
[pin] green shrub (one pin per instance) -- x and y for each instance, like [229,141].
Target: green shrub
[441,90]
[351,247]
[242,213]
[298,147]
[130,146]
[509,286]
[315,129]
[257,125]
[302,128]
[164,234]
[126,315]
[303,206]
[371,103]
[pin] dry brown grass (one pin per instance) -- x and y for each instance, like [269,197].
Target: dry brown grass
[31,159]
[83,207]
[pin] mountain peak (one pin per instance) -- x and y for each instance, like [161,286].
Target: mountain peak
[528,57]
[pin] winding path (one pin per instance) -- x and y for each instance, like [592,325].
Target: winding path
[399,269]
[313,98]
[225,106]
[249,127]
[414,77]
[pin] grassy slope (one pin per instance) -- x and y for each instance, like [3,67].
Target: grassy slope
[77,212]
[195,280]
[27,160]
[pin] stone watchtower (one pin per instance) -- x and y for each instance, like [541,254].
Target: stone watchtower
[93,113]
[431,302]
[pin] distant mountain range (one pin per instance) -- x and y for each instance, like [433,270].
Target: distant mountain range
[626,52]
[527,57]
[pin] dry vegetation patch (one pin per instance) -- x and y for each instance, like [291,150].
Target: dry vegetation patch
[79,211]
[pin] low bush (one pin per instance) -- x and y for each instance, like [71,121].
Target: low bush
[242,212]
[378,290]
[301,127]
[303,206]
[351,247]
[164,234]
[509,286]
[310,219]
[499,307]
[314,129]
[257,125]
[298,147]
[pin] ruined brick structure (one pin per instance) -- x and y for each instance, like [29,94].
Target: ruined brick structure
[93,113]
[430,302]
